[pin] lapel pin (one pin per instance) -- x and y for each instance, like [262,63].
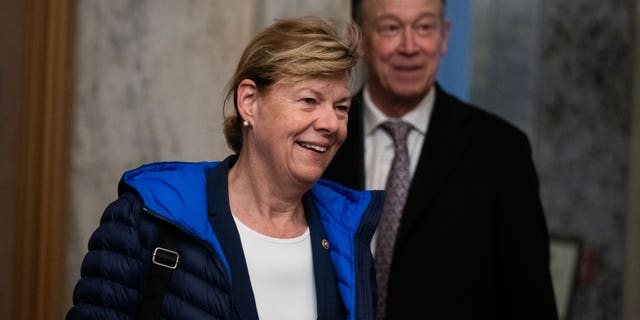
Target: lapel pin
[325,244]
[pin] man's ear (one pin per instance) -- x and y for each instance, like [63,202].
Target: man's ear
[361,47]
[247,98]
[446,29]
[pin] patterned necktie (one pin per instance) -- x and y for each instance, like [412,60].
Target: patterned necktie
[397,187]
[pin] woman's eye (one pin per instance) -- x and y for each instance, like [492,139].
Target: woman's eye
[343,108]
[311,101]
[342,111]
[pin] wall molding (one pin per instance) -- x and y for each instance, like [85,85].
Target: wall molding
[631,308]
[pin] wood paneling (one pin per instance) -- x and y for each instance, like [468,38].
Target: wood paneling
[11,31]
[42,152]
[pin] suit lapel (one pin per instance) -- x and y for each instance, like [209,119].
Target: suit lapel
[446,138]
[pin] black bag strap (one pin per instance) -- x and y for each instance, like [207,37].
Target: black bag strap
[164,260]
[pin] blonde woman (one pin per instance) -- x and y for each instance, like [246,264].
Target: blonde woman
[258,235]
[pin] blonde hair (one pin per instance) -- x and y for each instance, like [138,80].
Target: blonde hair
[291,50]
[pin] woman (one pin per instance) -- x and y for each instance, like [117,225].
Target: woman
[258,235]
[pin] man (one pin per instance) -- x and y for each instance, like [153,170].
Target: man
[472,241]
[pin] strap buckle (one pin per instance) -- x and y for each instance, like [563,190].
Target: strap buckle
[165,258]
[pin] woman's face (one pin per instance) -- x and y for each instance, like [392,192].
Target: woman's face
[297,128]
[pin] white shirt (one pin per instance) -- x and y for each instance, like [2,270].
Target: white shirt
[378,144]
[281,274]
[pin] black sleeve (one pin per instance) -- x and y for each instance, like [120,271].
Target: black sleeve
[525,286]
[111,270]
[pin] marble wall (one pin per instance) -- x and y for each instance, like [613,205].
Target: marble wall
[505,67]
[562,72]
[149,87]
[584,126]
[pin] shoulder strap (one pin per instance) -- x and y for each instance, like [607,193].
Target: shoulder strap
[164,260]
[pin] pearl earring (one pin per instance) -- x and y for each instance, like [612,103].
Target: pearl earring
[245,123]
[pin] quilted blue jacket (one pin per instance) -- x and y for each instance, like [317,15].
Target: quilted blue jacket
[211,280]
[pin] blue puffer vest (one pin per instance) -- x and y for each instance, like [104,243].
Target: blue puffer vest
[211,281]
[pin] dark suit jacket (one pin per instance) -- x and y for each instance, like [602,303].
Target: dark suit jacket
[473,241]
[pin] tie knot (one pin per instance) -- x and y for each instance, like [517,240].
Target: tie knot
[399,130]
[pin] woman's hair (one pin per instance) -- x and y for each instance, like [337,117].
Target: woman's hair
[292,50]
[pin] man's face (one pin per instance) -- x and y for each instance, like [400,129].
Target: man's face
[402,44]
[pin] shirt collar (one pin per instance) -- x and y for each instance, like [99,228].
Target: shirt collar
[373,117]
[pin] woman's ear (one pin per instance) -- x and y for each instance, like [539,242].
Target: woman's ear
[247,98]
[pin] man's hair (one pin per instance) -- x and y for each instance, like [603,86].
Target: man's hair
[289,51]
[356,10]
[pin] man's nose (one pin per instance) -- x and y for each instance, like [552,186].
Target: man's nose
[408,44]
